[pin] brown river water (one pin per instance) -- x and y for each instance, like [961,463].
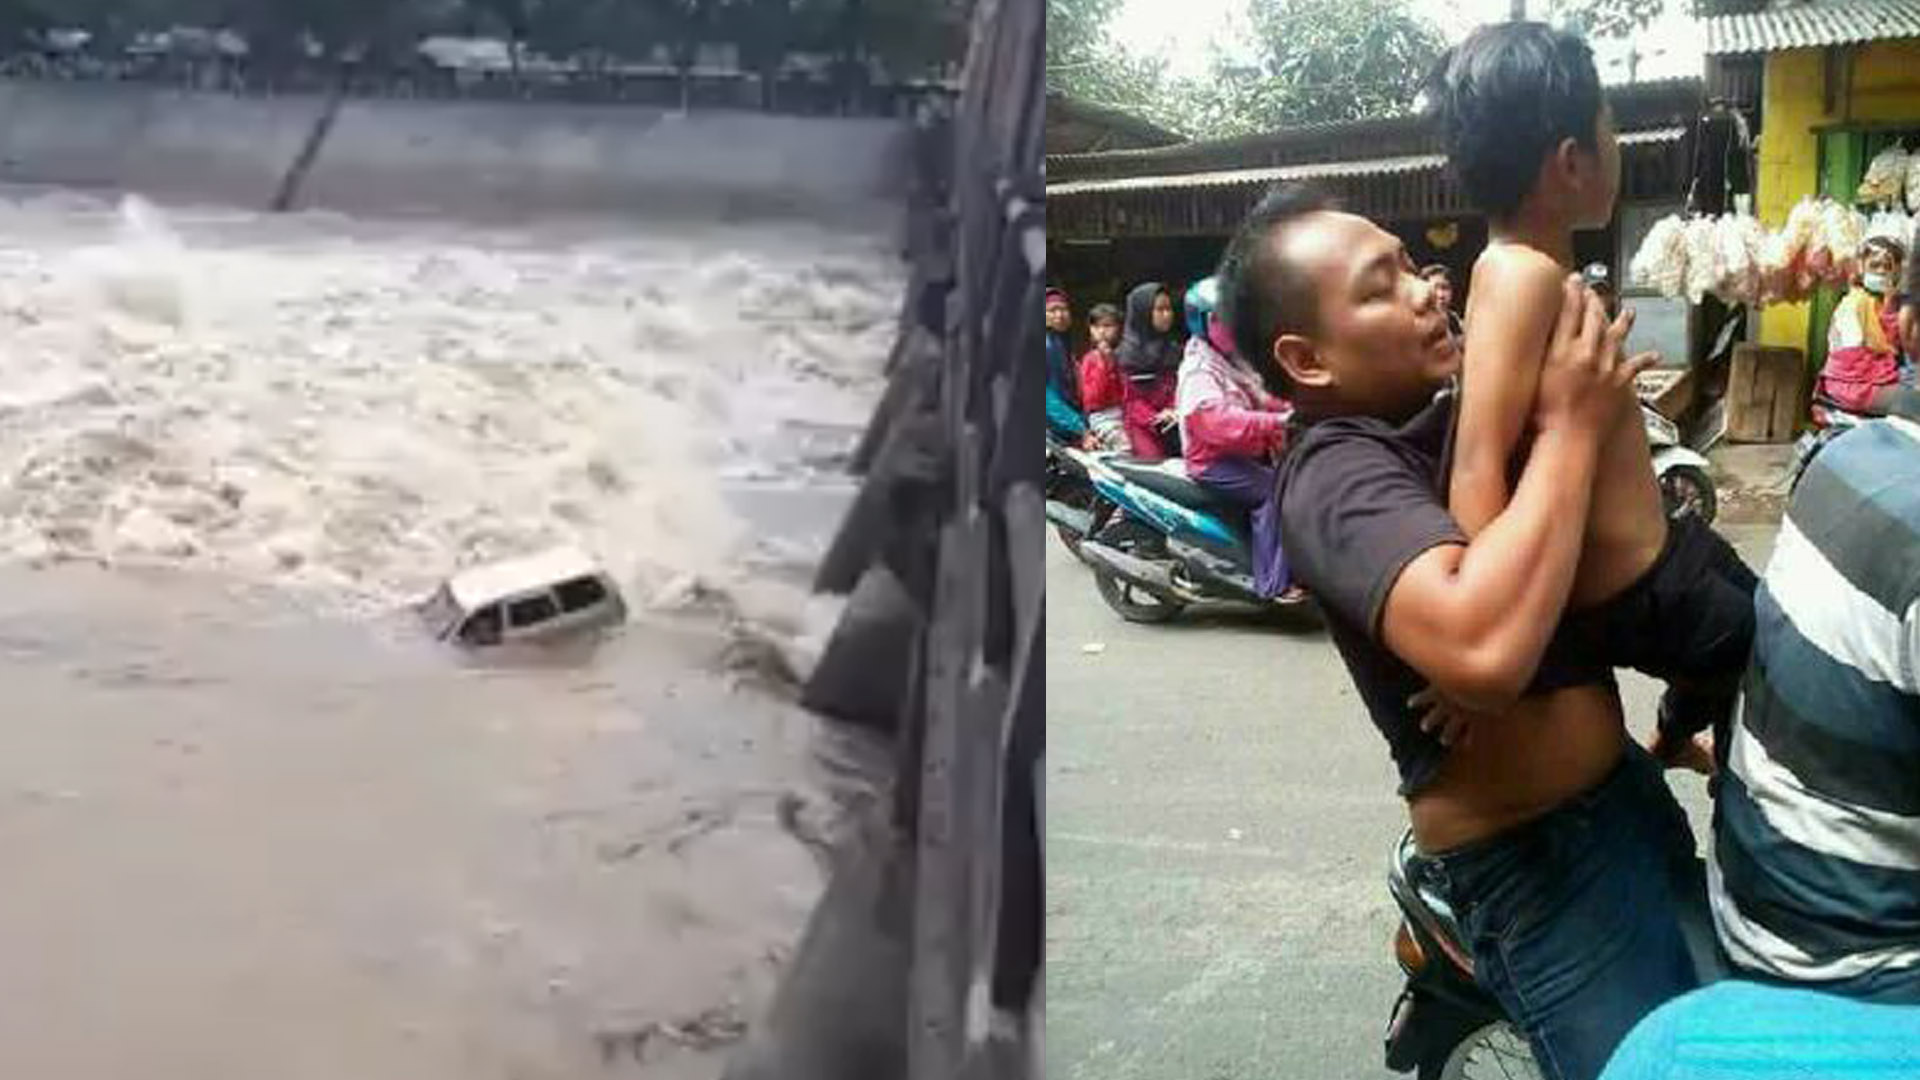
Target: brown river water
[254,824]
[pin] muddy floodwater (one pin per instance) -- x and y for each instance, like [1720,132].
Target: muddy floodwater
[254,825]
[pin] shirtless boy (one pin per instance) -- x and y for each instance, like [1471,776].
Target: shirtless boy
[1531,139]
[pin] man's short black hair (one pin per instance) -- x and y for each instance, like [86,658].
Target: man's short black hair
[1436,270]
[1261,295]
[1503,99]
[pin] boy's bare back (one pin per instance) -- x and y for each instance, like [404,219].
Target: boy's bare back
[1510,315]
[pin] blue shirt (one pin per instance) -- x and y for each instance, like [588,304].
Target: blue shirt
[1742,1031]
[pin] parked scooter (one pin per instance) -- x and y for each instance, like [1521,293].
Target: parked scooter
[1686,487]
[1158,541]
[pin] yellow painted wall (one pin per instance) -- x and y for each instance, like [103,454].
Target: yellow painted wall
[1885,86]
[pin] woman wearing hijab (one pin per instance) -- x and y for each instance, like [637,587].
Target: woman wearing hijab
[1064,421]
[1150,361]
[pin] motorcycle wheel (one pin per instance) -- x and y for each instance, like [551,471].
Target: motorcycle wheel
[1687,491]
[1134,604]
[1496,1051]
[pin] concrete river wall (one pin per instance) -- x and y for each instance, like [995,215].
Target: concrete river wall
[449,157]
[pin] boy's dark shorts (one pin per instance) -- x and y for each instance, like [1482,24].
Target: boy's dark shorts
[1688,621]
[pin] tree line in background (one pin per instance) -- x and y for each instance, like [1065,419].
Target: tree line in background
[897,39]
[1303,61]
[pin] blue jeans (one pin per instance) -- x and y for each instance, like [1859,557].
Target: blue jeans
[1573,917]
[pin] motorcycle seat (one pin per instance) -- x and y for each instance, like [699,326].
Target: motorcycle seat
[1162,480]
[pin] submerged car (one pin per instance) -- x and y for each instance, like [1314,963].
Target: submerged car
[536,598]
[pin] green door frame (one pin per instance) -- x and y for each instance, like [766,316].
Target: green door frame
[1843,163]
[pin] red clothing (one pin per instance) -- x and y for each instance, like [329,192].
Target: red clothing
[1145,400]
[1861,356]
[1101,385]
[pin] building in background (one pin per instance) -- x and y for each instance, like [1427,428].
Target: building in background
[1119,216]
[1828,86]
[1081,127]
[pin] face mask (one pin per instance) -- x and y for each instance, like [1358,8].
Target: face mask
[1875,283]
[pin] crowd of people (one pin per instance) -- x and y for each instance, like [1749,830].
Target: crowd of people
[1141,390]
[1472,503]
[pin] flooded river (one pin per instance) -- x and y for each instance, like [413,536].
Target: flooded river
[253,824]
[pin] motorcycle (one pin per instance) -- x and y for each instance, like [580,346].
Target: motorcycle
[1071,502]
[1158,542]
[1443,1024]
[1830,421]
[1686,487]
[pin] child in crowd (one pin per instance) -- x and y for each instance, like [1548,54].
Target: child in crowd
[1102,390]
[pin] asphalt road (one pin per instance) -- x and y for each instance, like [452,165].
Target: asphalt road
[1219,817]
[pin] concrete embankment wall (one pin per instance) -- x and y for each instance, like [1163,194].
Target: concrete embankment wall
[484,158]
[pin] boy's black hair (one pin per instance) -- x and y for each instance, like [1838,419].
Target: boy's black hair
[1503,99]
[1103,313]
[1261,295]
[1434,270]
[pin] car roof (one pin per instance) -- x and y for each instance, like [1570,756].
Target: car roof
[483,585]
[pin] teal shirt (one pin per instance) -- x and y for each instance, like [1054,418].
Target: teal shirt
[1736,1030]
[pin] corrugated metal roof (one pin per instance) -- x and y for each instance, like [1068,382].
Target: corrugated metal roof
[1319,170]
[1810,25]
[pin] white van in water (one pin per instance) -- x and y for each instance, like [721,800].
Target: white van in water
[542,596]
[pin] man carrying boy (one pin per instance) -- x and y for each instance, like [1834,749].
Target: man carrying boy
[1553,834]
[1531,139]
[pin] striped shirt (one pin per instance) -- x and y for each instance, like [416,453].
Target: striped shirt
[1816,870]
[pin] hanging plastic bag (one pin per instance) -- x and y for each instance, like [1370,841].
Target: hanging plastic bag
[1913,183]
[1837,255]
[1661,262]
[1737,242]
[1892,224]
[1703,269]
[1886,177]
[1784,267]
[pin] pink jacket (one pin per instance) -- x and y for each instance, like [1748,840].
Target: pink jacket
[1224,411]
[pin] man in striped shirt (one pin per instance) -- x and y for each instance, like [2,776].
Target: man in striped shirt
[1815,878]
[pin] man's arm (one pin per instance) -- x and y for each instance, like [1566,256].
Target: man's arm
[1520,299]
[1475,618]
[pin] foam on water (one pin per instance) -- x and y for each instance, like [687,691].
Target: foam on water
[352,412]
